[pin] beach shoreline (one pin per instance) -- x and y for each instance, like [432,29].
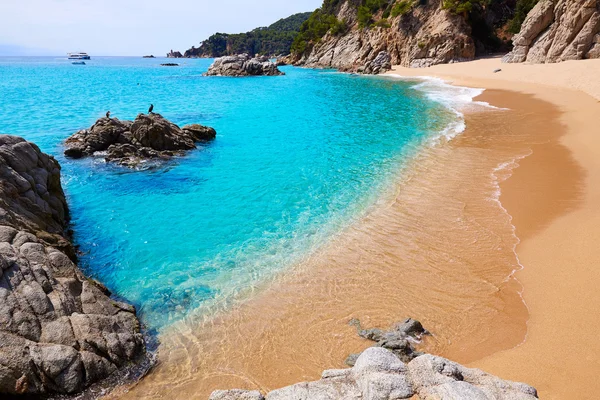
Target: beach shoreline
[560,354]
[296,328]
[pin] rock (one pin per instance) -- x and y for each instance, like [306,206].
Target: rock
[59,332]
[380,375]
[174,54]
[426,35]
[398,339]
[558,30]
[148,137]
[242,65]
[236,394]
[201,133]
[380,64]
[438,378]
[169,65]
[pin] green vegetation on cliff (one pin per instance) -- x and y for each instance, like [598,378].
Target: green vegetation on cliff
[272,40]
[521,10]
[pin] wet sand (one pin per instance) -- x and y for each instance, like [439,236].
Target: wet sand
[439,247]
[557,218]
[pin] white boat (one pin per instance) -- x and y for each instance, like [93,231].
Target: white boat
[78,56]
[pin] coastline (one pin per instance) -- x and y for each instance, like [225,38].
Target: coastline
[560,354]
[298,326]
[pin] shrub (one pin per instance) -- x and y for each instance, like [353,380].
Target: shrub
[401,8]
[383,23]
[521,10]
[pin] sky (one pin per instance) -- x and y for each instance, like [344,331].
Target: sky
[130,27]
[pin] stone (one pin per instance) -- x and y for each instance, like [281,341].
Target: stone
[131,143]
[558,30]
[242,65]
[379,64]
[236,394]
[59,332]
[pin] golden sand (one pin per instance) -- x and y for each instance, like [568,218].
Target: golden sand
[439,248]
[557,217]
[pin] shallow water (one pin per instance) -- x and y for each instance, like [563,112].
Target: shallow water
[297,158]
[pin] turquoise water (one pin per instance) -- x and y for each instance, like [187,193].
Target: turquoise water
[296,159]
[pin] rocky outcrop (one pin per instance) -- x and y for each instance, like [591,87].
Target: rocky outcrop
[380,64]
[243,65]
[129,143]
[379,375]
[392,370]
[59,332]
[424,35]
[558,30]
[399,339]
[174,54]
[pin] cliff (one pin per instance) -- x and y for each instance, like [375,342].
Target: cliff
[59,331]
[414,35]
[558,30]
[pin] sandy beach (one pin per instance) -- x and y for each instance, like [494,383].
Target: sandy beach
[561,353]
[439,247]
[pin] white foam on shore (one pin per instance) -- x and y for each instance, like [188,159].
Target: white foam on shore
[457,99]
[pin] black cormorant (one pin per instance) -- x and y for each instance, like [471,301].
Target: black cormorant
[151,108]
[108,114]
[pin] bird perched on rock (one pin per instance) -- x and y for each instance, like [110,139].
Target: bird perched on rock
[150,109]
[108,114]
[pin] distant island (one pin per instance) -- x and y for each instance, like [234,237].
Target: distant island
[275,39]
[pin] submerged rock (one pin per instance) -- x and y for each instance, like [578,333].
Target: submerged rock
[59,331]
[380,375]
[148,137]
[243,65]
[399,339]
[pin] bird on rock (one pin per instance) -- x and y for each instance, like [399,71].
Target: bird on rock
[150,109]
[108,114]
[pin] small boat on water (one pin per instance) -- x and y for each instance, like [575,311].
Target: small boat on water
[78,56]
[78,63]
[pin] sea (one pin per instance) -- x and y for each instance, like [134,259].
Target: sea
[297,159]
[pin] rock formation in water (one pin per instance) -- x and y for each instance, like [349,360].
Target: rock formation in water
[243,65]
[558,30]
[174,54]
[393,370]
[399,339]
[129,143]
[59,331]
[418,35]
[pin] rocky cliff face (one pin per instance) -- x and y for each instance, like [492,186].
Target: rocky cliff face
[59,332]
[558,30]
[424,35]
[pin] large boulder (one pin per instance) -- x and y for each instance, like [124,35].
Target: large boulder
[129,143]
[558,30]
[380,375]
[59,332]
[243,65]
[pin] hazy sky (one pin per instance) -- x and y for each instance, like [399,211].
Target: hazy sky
[130,27]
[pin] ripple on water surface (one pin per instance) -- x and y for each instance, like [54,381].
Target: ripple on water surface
[296,159]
